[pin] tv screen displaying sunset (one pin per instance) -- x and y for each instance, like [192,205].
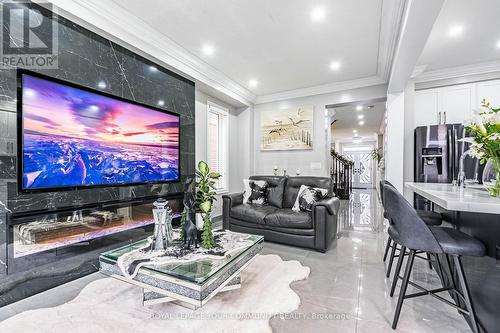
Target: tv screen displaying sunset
[73,137]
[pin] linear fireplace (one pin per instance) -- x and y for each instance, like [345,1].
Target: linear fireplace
[41,238]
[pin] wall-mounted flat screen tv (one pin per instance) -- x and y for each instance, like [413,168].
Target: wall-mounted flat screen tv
[73,137]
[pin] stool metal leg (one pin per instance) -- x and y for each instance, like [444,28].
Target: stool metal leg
[395,278]
[452,280]
[429,261]
[391,259]
[404,286]
[386,252]
[465,290]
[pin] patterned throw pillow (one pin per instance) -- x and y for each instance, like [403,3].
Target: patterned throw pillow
[307,197]
[255,192]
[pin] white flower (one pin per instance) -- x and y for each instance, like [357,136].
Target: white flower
[468,140]
[494,136]
[481,110]
[476,153]
[496,118]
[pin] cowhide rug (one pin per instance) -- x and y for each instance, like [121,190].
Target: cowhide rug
[109,305]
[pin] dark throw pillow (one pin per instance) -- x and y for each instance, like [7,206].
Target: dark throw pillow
[255,192]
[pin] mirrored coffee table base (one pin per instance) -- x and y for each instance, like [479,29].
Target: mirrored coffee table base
[153,297]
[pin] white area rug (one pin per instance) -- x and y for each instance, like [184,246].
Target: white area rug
[109,305]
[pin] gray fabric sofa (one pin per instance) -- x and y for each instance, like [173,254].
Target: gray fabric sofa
[277,222]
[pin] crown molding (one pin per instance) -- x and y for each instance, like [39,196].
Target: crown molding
[122,27]
[467,70]
[392,13]
[321,89]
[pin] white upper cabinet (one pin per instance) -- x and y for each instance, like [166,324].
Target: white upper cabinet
[490,90]
[426,107]
[453,104]
[457,103]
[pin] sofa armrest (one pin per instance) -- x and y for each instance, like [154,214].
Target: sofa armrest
[233,199]
[332,205]
[228,202]
[325,214]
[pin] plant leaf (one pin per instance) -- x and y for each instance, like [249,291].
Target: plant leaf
[203,167]
[205,206]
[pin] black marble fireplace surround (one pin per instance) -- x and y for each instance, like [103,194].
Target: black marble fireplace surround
[86,59]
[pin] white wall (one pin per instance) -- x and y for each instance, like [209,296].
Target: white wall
[409,130]
[264,161]
[394,152]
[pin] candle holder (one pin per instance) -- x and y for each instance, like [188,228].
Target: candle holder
[163,233]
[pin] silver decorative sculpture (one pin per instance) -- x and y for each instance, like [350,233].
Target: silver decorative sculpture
[163,233]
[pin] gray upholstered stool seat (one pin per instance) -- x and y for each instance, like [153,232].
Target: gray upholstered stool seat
[455,242]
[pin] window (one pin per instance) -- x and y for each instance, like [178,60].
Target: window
[217,144]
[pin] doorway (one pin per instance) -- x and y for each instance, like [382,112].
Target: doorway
[362,172]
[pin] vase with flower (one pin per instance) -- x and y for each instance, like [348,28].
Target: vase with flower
[484,135]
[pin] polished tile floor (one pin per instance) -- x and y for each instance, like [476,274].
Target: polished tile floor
[346,291]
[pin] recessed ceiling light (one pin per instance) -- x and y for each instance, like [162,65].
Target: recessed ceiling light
[359,107]
[355,131]
[253,83]
[208,49]
[335,65]
[161,102]
[318,14]
[153,69]
[361,123]
[94,108]
[455,31]
[360,116]
[498,44]
[101,84]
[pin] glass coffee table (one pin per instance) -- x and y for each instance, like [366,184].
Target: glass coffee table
[190,283]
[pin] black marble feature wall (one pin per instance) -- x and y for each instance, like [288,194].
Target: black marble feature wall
[86,59]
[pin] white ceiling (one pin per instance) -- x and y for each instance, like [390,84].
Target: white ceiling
[274,42]
[347,120]
[477,43]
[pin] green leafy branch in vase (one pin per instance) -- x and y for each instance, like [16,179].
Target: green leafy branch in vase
[205,198]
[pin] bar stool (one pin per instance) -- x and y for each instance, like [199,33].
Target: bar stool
[430,218]
[410,231]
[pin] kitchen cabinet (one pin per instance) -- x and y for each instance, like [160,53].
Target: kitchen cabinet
[457,103]
[426,107]
[446,105]
[490,90]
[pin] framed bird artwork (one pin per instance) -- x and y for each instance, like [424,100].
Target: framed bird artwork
[287,129]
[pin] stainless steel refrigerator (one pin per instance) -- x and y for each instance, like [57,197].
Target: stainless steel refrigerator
[437,157]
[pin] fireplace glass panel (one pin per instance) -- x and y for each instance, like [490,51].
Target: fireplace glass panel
[51,231]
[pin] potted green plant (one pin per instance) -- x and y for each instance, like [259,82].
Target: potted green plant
[484,136]
[205,198]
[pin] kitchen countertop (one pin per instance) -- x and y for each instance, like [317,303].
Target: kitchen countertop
[457,199]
